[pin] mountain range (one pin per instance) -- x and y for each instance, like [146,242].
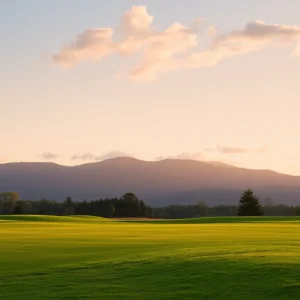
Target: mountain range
[159,183]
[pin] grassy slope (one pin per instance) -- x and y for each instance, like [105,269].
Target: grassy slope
[91,259]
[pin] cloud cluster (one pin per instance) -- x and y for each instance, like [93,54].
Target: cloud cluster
[176,47]
[134,35]
[232,150]
[254,37]
[86,157]
[49,155]
[92,157]
[236,150]
[185,155]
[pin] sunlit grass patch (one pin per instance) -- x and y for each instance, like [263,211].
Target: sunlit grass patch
[45,257]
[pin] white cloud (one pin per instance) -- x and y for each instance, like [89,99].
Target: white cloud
[171,49]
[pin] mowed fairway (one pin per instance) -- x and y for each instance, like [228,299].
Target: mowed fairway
[91,258]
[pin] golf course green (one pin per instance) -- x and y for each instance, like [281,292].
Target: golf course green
[93,258]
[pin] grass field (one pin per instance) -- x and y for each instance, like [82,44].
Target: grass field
[94,258]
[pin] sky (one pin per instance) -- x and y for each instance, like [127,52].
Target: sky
[82,81]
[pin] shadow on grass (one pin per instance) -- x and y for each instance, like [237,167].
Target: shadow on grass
[166,278]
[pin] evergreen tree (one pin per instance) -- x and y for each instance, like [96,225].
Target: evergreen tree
[249,205]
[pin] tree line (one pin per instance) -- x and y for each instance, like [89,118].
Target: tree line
[249,205]
[130,206]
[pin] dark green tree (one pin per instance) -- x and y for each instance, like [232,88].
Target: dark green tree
[130,205]
[130,197]
[69,206]
[249,205]
[26,206]
[202,209]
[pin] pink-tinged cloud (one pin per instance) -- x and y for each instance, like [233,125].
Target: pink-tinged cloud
[212,31]
[232,150]
[93,157]
[236,150]
[134,36]
[185,155]
[160,53]
[92,45]
[49,155]
[254,37]
[136,22]
[171,49]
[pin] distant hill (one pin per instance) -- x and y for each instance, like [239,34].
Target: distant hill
[158,182]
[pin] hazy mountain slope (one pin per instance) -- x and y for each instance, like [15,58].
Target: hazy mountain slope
[149,180]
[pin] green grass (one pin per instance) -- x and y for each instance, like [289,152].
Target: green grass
[93,258]
[38,218]
[227,220]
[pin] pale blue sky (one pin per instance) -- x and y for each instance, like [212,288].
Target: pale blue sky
[244,102]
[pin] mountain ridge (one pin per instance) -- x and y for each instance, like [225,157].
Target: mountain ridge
[150,180]
[128,158]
